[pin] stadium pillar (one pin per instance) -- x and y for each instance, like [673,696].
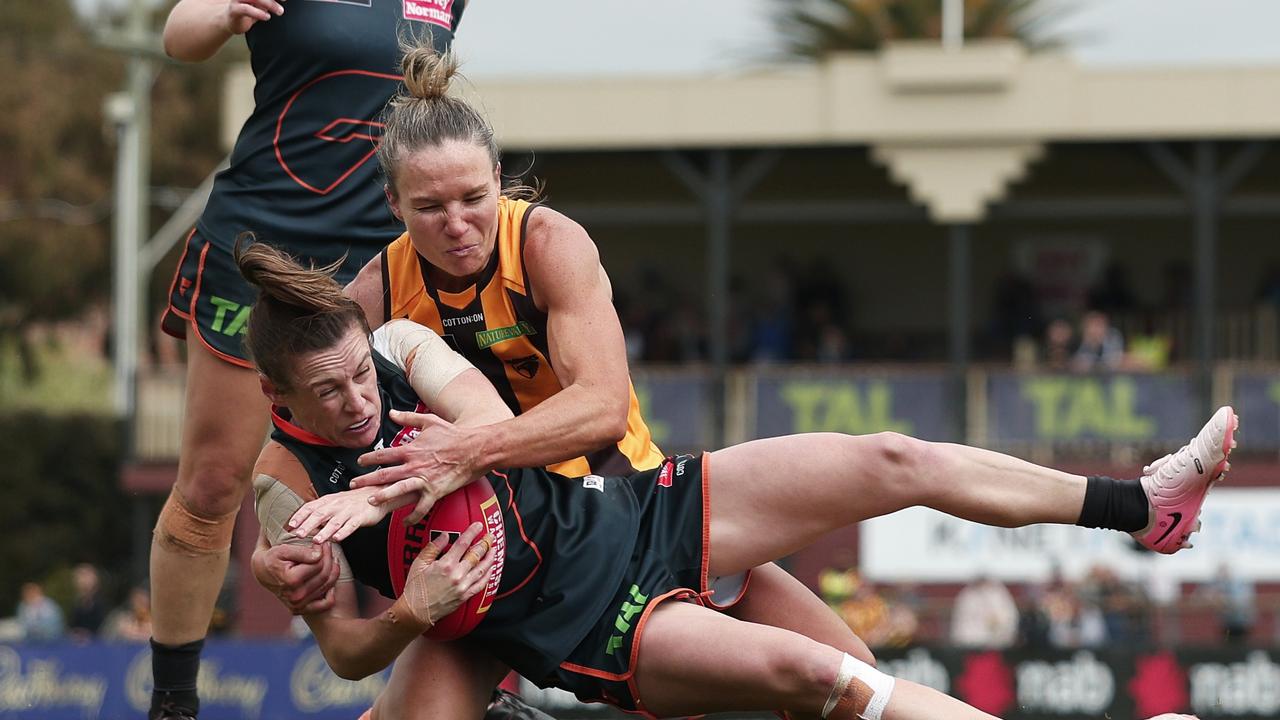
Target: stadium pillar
[959,301]
[720,190]
[1206,189]
[1205,197]
[130,111]
[719,219]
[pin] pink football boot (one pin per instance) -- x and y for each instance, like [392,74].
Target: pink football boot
[1177,483]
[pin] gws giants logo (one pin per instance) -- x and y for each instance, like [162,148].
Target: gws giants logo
[318,147]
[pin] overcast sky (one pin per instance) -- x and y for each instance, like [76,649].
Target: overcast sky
[522,38]
[592,37]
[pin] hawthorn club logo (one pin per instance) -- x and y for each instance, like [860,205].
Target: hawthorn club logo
[527,366]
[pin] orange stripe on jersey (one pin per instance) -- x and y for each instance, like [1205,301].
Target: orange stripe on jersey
[637,444]
[408,296]
[457,301]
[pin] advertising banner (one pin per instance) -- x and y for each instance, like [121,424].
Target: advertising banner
[283,680]
[676,407]
[922,545]
[266,680]
[1242,684]
[910,403]
[1120,408]
[1255,396]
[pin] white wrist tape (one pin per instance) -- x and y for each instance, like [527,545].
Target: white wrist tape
[860,687]
[426,359]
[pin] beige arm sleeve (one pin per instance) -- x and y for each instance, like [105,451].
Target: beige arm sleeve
[426,359]
[275,503]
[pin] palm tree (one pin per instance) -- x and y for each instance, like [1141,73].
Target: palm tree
[813,29]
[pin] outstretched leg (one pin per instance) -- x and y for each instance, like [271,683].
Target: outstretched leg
[802,486]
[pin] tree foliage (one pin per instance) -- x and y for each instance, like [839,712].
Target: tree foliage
[62,504]
[55,161]
[813,29]
[56,182]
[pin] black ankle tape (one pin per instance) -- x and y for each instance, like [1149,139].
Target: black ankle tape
[1114,505]
[175,669]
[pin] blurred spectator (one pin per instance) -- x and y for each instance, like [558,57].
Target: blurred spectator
[1101,344]
[1149,352]
[88,610]
[39,616]
[1234,601]
[903,619]
[1059,345]
[1123,605]
[836,585]
[634,324]
[820,286]
[1176,293]
[867,614]
[833,344]
[1075,621]
[985,615]
[772,328]
[1015,312]
[1033,617]
[1112,294]
[132,621]
[857,603]
[1269,289]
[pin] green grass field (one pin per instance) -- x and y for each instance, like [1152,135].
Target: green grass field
[67,382]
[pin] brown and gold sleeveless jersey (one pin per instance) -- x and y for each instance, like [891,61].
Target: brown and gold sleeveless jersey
[496,326]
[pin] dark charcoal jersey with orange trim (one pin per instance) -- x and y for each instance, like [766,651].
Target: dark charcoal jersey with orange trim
[303,175]
[496,326]
[566,539]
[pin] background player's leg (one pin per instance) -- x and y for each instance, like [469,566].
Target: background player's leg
[439,681]
[775,597]
[803,486]
[696,660]
[224,428]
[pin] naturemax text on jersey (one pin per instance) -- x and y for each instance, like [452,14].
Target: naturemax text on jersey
[485,338]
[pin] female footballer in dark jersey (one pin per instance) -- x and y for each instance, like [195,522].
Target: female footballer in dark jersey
[301,176]
[606,586]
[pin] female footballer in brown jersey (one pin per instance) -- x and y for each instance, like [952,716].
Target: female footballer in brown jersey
[518,290]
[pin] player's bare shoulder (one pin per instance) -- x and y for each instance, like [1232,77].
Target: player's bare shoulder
[368,290]
[559,254]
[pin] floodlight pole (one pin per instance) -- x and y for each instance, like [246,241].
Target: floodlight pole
[130,111]
[952,24]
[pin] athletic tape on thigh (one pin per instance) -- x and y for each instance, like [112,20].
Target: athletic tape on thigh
[861,691]
[182,531]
